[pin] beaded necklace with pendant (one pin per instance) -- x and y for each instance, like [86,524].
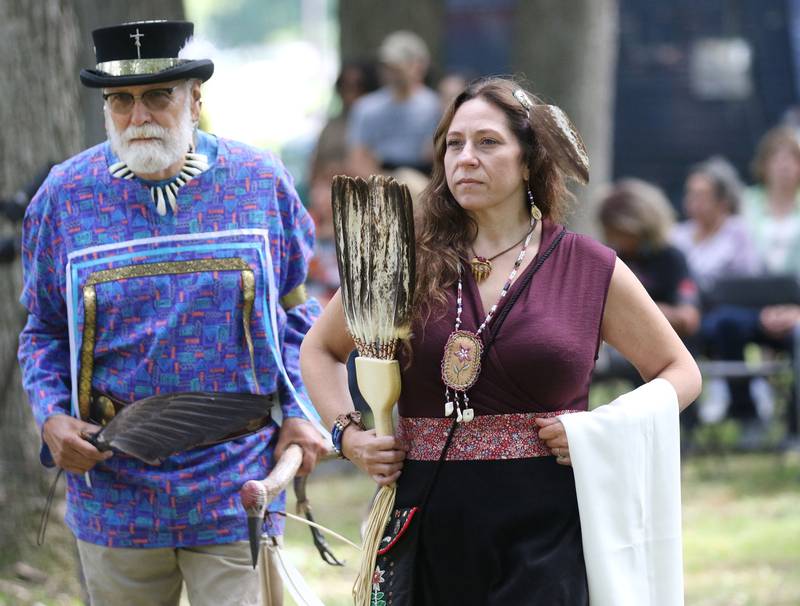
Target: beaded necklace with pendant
[461,362]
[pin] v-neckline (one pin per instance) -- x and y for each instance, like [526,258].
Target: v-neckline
[544,241]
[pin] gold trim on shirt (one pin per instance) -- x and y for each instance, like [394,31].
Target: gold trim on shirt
[148,270]
[296,296]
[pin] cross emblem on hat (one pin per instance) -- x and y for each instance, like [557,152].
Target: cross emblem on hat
[137,42]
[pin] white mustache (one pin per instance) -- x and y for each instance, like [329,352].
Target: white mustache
[145,131]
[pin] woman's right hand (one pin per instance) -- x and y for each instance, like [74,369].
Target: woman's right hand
[380,456]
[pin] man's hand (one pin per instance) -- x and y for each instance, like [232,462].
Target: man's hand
[70,451]
[301,432]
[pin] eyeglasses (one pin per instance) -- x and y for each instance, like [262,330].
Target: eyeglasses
[155,99]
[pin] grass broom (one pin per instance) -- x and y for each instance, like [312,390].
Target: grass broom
[374,226]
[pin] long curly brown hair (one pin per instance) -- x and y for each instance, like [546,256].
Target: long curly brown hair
[444,230]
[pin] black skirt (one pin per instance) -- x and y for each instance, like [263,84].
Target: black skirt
[503,532]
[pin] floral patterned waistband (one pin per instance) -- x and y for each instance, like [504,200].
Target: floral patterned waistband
[485,438]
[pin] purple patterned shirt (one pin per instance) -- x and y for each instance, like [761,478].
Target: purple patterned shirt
[169,316]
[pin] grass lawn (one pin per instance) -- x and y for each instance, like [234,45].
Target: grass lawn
[741,536]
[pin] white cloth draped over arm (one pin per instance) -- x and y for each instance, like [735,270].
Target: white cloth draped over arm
[626,460]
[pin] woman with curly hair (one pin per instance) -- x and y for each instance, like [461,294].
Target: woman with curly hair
[511,309]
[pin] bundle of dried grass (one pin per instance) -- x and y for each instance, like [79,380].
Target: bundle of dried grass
[374,226]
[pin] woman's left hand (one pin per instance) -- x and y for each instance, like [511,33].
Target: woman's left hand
[553,434]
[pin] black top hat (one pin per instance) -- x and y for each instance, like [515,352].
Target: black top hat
[143,52]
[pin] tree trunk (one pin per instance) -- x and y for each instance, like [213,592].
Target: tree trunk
[365,23]
[568,50]
[38,106]
[92,14]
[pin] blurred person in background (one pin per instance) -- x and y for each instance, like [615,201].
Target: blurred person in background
[771,212]
[393,127]
[771,208]
[636,219]
[323,269]
[450,86]
[355,79]
[717,245]
[714,238]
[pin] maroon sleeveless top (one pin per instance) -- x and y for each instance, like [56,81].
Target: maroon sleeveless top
[544,353]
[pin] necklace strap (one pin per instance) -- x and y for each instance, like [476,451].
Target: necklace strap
[514,245]
[503,291]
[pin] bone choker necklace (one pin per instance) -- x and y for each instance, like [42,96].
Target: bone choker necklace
[166,193]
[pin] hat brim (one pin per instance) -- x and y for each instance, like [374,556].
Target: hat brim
[200,68]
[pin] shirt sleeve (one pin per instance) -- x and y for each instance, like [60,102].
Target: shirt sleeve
[297,312]
[44,342]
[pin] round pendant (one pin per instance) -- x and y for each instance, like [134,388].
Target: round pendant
[461,363]
[481,268]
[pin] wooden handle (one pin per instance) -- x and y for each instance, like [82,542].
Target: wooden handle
[284,470]
[379,383]
[256,495]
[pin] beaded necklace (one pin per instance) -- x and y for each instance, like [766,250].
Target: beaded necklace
[461,362]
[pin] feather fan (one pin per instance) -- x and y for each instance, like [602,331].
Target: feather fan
[156,427]
[374,226]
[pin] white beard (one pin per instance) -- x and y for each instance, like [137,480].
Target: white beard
[147,157]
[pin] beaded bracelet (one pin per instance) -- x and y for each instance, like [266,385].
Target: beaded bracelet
[342,422]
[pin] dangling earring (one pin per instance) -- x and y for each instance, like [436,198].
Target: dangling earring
[536,213]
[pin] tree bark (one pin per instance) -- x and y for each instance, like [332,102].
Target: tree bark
[38,109]
[568,51]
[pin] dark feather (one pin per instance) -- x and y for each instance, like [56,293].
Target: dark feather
[560,138]
[374,226]
[156,427]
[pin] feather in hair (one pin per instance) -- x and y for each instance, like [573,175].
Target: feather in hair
[560,138]
[374,226]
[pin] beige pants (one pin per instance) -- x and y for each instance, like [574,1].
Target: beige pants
[215,575]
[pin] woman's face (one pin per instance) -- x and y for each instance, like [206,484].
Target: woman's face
[483,159]
[700,200]
[783,168]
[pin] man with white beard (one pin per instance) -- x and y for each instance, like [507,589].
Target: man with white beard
[165,261]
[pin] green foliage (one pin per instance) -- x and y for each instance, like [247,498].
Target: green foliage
[741,536]
[742,530]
